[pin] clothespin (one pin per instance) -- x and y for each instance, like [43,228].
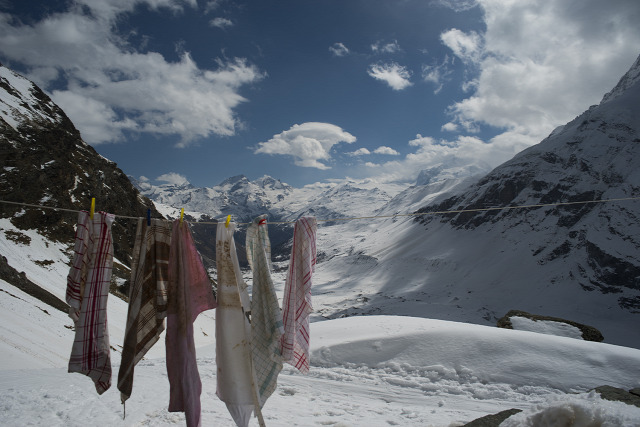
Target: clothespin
[148,217]
[263,221]
[226,223]
[181,215]
[93,207]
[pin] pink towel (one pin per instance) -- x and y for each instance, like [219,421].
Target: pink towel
[87,291]
[189,294]
[296,307]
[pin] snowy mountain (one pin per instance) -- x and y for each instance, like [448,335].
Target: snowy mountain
[45,162]
[577,261]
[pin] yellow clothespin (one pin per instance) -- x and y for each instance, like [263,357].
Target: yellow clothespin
[93,207]
[181,215]
[226,223]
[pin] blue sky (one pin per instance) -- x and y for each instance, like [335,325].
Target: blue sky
[309,91]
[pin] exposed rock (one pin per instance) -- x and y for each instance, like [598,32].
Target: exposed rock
[492,420]
[589,333]
[620,395]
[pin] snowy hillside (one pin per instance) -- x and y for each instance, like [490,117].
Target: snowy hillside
[577,262]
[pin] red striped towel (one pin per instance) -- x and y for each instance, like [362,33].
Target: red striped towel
[296,307]
[87,290]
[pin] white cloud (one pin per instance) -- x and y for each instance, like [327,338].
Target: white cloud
[371,165]
[173,178]
[221,22]
[360,152]
[449,127]
[308,143]
[111,89]
[386,150]
[466,46]
[395,75]
[541,63]
[380,47]
[339,49]
[437,74]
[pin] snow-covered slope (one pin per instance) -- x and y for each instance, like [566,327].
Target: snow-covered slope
[578,262]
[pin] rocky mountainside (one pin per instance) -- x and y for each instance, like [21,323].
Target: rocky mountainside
[45,162]
[594,157]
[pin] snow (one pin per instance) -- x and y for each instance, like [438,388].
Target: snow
[365,370]
[545,327]
[12,105]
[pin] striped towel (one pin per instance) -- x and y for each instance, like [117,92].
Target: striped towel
[87,290]
[147,297]
[266,317]
[296,305]
[189,293]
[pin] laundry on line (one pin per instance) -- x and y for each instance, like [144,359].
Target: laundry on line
[169,281]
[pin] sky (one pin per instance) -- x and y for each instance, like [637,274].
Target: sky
[313,91]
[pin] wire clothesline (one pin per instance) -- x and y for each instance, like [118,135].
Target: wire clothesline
[413,214]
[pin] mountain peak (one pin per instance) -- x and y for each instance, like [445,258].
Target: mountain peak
[629,79]
[233,180]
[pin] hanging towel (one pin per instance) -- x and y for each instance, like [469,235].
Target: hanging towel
[189,293]
[296,305]
[147,297]
[266,316]
[233,331]
[87,290]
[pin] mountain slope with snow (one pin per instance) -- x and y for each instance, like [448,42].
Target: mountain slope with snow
[578,261]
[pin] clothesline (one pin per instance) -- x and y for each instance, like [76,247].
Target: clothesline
[413,214]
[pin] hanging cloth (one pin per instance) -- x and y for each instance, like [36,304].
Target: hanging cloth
[147,297]
[233,331]
[88,285]
[266,316]
[296,305]
[189,293]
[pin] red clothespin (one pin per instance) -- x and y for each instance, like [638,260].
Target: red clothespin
[263,221]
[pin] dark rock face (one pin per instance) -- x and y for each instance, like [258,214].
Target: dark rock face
[492,420]
[589,333]
[46,162]
[20,281]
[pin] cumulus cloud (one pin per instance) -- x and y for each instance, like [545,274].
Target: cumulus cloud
[308,143]
[173,178]
[449,127]
[393,74]
[108,88]
[221,22]
[541,63]
[466,46]
[380,47]
[386,150]
[339,49]
[360,152]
